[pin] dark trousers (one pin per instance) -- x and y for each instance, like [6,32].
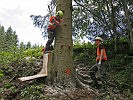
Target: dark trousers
[51,36]
[101,71]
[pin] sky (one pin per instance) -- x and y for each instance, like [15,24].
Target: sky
[16,13]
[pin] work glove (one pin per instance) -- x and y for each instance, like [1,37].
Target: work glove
[99,63]
[51,24]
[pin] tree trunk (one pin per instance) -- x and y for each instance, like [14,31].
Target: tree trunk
[130,33]
[60,67]
[114,25]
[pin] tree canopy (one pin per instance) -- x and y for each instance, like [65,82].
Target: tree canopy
[110,19]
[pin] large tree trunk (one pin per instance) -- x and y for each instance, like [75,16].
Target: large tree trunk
[60,67]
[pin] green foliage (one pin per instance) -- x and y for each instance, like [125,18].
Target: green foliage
[7,57]
[11,61]
[33,92]
[33,52]
[14,65]
[1,73]
[8,39]
[7,85]
[2,90]
[84,53]
[122,46]
[105,18]
[28,45]
[22,46]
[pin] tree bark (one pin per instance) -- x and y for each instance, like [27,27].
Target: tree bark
[60,67]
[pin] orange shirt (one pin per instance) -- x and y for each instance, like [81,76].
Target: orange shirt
[104,57]
[54,22]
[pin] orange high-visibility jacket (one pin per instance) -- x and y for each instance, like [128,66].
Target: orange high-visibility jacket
[53,21]
[104,57]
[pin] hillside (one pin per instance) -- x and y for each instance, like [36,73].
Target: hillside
[119,75]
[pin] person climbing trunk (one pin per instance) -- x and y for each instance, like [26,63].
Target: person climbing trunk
[53,23]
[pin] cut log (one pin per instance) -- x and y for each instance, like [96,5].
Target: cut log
[42,73]
[31,77]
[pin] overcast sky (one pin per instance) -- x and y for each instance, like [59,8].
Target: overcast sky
[16,13]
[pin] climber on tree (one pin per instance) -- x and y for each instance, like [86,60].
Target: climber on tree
[54,21]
